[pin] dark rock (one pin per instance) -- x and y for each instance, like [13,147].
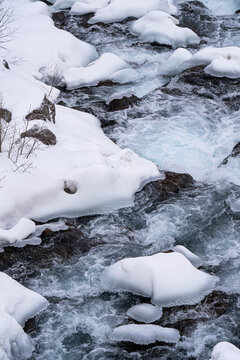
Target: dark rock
[5,115]
[235,152]
[69,187]
[198,18]
[43,135]
[5,64]
[30,326]
[124,103]
[45,112]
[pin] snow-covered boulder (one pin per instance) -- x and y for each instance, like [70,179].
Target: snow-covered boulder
[107,67]
[175,63]
[86,6]
[118,10]
[161,27]
[225,351]
[145,334]
[145,313]
[17,233]
[193,258]
[167,278]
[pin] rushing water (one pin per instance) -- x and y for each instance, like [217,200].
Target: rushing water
[180,133]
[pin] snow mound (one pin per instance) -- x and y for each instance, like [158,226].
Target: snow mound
[107,67]
[87,6]
[161,27]
[145,334]
[193,258]
[175,63]
[118,10]
[43,58]
[225,351]
[145,313]
[169,279]
[19,232]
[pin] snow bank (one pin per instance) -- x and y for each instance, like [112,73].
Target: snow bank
[107,67]
[17,304]
[145,334]
[39,47]
[193,258]
[118,10]
[161,27]
[225,351]
[19,232]
[145,313]
[168,278]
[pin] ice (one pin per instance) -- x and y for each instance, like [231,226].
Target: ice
[145,313]
[225,351]
[118,10]
[167,278]
[19,232]
[161,27]
[145,334]
[107,67]
[193,258]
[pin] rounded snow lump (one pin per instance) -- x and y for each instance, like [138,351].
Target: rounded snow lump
[146,313]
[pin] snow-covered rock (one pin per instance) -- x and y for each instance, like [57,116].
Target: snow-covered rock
[167,278]
[161,27]
[87,6]
[39,47]
[118,10]
[107,67]
[17,233]
[175,63]
[225,351]
[145,334]
[145,313]
[193,258]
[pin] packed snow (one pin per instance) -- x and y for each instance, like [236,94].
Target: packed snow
[167,278]
[17,233]
[161,27]
[107,67]
[145,334]
[225,351]
[145,313]
[17,305]
[193,258]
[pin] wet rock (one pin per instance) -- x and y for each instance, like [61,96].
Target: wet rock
[70,187]
[44,135]
[30,326]
[123,103]
[5,115]
[235,152]
[197,17]
[46,112]
[60,19]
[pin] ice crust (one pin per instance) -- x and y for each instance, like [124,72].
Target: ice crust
[145,313]
[107,67]
[225,351]
[145,334]
[161,27]
[167,278]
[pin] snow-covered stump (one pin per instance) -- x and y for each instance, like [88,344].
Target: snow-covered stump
[158,26]
[225,351]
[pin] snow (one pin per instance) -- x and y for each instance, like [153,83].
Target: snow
[193,258]
[107,67]
[161,27]
[19,232]
[225,351]
[87,6]
[118,10]
[169,279]
[145,313]
[145,334]
[175,63]
[17,305]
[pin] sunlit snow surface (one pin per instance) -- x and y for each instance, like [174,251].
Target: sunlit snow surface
[180,133]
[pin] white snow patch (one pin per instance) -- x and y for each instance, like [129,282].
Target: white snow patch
[194,259]
[225,351]
[87,6]
[145,334]
[167,278]
[161,27]
[107,67]
[175,63]
[145,313]
[17,233]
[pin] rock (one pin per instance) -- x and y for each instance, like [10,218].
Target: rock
[44,135]
[235,152]
[123,103]
[197,17]
[46,112]
[70,187]
[5,115]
